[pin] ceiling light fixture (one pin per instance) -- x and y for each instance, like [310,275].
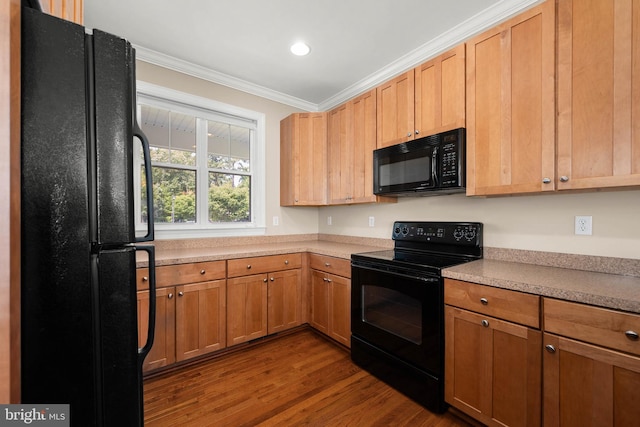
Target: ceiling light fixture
[300,49]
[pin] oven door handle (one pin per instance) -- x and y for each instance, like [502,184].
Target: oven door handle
[428,279]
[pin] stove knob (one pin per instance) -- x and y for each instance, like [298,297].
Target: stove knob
[405,230]
[458,233]
[396,231]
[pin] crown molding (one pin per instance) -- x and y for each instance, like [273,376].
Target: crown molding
[458,34]
[166,61]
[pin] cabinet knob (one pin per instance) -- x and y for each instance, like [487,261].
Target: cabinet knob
[202,271]
[272,279]
[248,266]
[564,178]
[546,180]
[326,264]
[145,279]
[180,294]
[408,134]
[417,132]
[170,296]
[264,280]
[286,262]
[484,301]
[550,348]
[632,335]
[325,279]
[485,323]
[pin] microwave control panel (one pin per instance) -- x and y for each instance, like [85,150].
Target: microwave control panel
[451,160]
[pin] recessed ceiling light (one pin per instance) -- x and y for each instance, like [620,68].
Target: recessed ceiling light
[300,49]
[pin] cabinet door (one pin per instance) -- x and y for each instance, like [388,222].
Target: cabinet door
[246,308]
[340,309]
[395,110]
[319,302]
[163,352]
[303,160]
[200,319]
[586,385]
[492,369]
[284,300]
[340,150]
[598,94]
[439,93]
[510,105]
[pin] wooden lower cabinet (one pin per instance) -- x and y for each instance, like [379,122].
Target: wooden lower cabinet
[163,352]
[589,386]
[200,319]
[492,369]
[262,304]
[331,306]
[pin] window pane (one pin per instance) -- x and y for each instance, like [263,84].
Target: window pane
[174,195]
[172,136]
[228,146]
[229,198]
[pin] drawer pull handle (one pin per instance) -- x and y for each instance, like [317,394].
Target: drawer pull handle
[484,301]
[170,296]
[248,266]
[632,335]
[202,271]
[145,279]
[485,323]
[180,294]
[286,262]
[550,348]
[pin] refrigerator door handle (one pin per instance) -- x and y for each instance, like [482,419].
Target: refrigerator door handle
[143,351]
[147,173]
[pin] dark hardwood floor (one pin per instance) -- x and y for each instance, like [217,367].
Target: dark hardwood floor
[294,380]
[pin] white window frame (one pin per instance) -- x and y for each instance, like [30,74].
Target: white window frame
[208,109]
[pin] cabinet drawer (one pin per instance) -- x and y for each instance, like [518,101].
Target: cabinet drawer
[179,274]
[264,264]
[329,264]
[503,304]
[608,328]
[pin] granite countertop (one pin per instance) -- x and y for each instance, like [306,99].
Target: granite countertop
[601,281]
[600,289]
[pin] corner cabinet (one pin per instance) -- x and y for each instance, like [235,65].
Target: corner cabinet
[598,94]
[331,297]
[263,296]
[591,366]
[510,105]
[190,312]
[423,101]
[493,354]
[303,160]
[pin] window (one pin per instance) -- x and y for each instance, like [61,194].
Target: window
[207,161]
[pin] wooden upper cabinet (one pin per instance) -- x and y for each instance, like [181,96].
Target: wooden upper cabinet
[598,94]
[511,106]
[303,160]
[71,10]
[440,92]
[395,110]
[340,149]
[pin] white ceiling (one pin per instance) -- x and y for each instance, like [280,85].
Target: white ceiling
[355,44]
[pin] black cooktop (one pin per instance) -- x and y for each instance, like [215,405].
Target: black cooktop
[427,246]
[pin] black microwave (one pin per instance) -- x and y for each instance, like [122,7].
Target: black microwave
[427,166]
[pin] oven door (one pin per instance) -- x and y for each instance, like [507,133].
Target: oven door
[399,312]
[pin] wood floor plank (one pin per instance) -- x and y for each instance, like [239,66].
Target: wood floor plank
[294,380]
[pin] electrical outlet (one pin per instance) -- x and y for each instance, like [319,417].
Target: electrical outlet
[329,220]
[372,221]
[584,225]
[276,220]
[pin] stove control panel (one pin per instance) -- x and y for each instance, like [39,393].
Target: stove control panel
[451,233]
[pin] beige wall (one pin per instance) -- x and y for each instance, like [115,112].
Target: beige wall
[541,222]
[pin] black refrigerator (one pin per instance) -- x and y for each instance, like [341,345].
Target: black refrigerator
[79,338]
